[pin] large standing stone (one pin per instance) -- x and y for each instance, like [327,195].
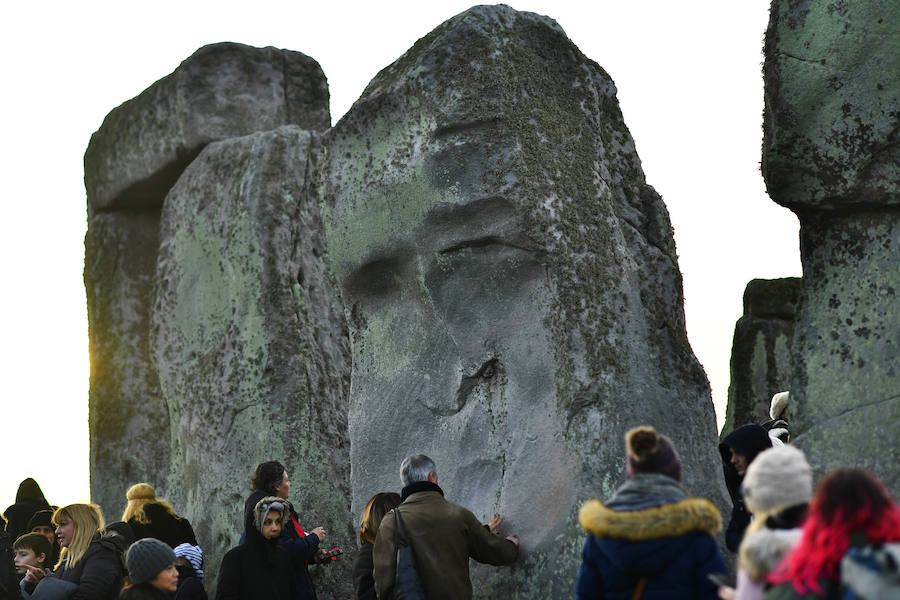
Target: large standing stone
[137,430]
[514,295]
[830,153]
[250,341]
[221,91]
[832,104]
[129,423]
[761,351]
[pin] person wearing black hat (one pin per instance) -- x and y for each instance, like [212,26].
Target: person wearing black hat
[650,536]
[42,523]
[738,450]
[151,570]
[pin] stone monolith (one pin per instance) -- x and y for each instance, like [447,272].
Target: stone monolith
[830,153]
[761,350]
[250,342]
[511,279]
[221,91]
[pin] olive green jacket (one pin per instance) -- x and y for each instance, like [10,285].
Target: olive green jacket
[443,537]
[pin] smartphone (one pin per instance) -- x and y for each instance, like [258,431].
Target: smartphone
[721,579]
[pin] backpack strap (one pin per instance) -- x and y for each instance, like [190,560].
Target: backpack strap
[639,589]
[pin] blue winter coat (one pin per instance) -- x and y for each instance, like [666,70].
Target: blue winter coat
[671,544]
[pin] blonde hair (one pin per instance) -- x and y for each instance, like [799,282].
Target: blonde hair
[140,495]
[87,520]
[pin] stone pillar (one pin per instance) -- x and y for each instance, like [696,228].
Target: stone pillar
[132,161]
[830,154]
[761,350]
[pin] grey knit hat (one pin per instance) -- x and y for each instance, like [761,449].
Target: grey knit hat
[776,479]
[147,558]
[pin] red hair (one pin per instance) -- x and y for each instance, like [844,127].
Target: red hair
[846,501]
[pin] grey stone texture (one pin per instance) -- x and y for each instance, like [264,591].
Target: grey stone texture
[513,289]
[250,341]
[832,74]
[221,91]
[761,350]
[832,94]
[846,375]
[125,402]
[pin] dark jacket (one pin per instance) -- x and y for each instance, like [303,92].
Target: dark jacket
[9,580]
[190,587]
[257,569]
[443,537]
[749,441]
[144,591]
[99,574]
[301,549]
[363,579]
[163,526]
[662,535]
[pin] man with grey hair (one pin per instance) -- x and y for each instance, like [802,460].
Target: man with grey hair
[442,535]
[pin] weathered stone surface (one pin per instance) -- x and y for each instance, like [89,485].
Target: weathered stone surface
[832,80]
[846,374]
[830,153]
[514,296]
[125,401]
[221,91]
[250,341]
[761,350]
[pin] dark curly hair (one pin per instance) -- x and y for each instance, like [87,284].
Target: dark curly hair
[267,477]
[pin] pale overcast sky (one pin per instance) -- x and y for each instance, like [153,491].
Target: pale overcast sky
[690,87]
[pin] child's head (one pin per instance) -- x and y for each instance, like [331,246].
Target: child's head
[190,556]
[32,549]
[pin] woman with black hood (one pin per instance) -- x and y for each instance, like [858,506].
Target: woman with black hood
[259,568]
[29,500]
[738,450]
[271,479]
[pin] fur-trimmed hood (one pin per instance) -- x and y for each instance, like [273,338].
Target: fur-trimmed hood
[762,550]
[677,518]
[650,540]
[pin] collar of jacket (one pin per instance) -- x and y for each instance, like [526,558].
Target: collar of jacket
[677,518]
[419,486]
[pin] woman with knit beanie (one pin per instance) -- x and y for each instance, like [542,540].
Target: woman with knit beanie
[777,489]
[151,570]
[89,560]
[650,540]
[150,516]
[850,507]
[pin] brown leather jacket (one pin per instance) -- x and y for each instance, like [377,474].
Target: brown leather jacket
[443,537]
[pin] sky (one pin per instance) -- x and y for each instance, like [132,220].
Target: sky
[689,84]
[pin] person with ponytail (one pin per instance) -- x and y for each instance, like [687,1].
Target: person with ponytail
[650,540]
[89,560]
[850,507]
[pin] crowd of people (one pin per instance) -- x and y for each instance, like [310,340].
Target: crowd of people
[650,540]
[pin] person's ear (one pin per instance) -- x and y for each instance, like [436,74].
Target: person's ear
[43,559]
[432,477]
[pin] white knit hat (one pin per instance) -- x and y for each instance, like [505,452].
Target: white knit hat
[779,403]
[776,479]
